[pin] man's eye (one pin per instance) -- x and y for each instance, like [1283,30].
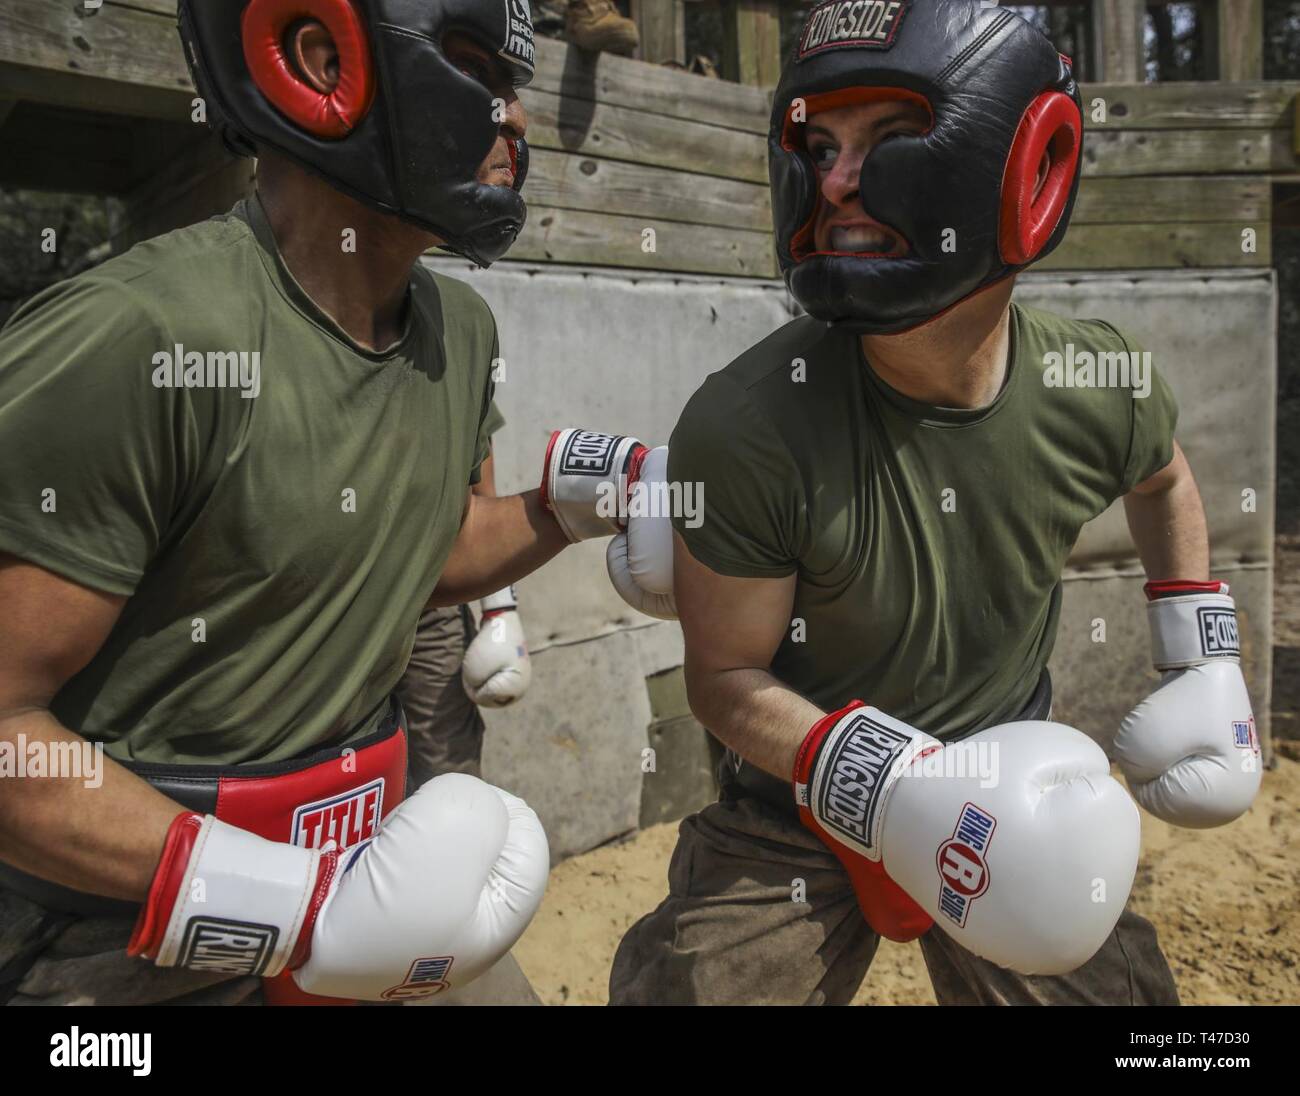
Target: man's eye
[475,70]
[823,156]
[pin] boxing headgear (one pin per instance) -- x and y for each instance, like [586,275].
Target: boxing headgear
[961,194]
[404,131]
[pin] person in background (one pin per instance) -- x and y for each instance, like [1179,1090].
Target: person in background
[456,667]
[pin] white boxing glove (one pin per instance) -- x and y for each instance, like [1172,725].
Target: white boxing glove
[640,561]
[442,892]
[1016,841]
[1189,751]
[496,669]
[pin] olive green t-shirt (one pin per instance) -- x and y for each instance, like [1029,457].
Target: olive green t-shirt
[276,551]
[928,542]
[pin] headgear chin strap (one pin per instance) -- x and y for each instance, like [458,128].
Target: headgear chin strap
[961,194]
[405,131]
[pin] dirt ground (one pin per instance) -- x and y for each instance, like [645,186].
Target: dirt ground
[1226,903]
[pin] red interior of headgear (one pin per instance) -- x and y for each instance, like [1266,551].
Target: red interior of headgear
[802,243]
[1051,124]
[265,25]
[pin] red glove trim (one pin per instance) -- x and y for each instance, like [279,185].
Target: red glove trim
[887,908]
[151,925]
[545,491]
[1173,587]
[634,462]
[326,869]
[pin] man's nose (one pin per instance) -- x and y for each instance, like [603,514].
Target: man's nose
[840,186]
[515,119]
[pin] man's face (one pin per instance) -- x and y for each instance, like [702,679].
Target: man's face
[838,141]
[478,63]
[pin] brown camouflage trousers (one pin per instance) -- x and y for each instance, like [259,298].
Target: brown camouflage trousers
[730,933]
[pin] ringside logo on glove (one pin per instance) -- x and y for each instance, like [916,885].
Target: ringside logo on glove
[853,771]
[1219,637]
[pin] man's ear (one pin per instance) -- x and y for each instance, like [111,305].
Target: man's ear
[314,55]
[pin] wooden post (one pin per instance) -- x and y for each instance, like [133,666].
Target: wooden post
[1241,39]
[752,53]
[1118,26]
[662,25]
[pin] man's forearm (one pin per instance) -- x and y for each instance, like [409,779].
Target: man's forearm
[501,540]
[1169,531]
[100,837]
[753,713]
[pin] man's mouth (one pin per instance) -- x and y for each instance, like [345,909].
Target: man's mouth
[860,238]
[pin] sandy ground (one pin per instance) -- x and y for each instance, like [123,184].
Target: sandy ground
[1226,903]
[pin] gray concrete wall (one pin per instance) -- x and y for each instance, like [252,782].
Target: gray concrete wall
[623,353]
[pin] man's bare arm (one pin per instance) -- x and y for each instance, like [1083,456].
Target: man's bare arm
[733,627]
[500,541]
[106,839]
[1167,523]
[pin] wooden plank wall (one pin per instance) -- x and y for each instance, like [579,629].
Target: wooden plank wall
[641,167]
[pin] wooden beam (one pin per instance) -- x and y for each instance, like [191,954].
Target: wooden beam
[117,59]
[1264,104]
[563,181]
[565,236]
[662,26]
[1118,31]
[1138,246]
[1188,152]
[617,133]
[752,53]
[1174,199]
[1241,39]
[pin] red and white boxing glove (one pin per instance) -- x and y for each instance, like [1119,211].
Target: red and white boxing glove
[1016,841]
[1189,751]
[441,893]
[496,669]
[600,484]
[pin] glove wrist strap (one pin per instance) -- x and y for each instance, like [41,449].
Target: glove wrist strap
[228,901]
[846,770]
[503,601]
[588,479]
[1192,627]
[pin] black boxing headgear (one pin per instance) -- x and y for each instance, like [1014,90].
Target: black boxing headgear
[405,131]
[961,194]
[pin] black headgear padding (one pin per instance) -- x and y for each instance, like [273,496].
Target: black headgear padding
[405,131]
[960,194]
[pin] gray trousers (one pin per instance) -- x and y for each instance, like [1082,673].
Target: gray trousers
[729,932]
[444,728]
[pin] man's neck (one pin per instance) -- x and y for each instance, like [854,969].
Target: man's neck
[958,360]
[352,261]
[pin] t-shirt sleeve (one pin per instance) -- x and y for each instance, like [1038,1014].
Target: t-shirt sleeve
[94,452]
[1155,416]
[490,419]
[751,516]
